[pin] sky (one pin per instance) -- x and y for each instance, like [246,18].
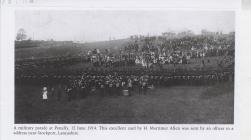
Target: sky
[100,25]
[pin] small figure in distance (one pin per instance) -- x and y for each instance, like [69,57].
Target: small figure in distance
[44,94]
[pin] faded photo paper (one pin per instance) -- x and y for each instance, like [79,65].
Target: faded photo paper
[246,4]
[124,67]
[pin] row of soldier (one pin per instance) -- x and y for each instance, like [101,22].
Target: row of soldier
[156,79]
[111,85]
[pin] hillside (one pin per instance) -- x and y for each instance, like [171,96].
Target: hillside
[41,49]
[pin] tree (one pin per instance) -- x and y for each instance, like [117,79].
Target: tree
[21,35]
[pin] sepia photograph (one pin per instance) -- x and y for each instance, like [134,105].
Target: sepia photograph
[124,67]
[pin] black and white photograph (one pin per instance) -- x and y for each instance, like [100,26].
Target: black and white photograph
[124,66]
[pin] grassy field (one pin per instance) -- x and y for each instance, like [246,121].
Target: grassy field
[64,50]
[168,105]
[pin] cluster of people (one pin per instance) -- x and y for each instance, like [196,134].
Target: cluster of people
[81,86]
[143,54]
[144,51]
[106,85]
[198,43]
[160,50]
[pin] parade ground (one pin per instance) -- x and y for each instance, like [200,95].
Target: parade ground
[161,105]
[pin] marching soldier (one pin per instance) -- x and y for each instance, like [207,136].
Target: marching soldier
[144,87]
[129,85]
[117,87]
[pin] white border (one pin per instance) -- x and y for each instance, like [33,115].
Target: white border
[7,73]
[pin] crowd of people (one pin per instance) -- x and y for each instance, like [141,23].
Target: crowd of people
[117,84]
[146,52]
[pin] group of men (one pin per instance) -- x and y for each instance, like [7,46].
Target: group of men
[81,86]
[65,77]
[160,50]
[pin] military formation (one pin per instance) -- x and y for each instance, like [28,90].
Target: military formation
[142,64]
[71,87]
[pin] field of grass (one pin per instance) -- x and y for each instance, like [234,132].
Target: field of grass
[163,105]
[66,50]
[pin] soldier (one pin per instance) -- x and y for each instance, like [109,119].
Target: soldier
[140,85]
[144,87]
[102,89]
[165,80]
[129,85]
[136,82]
[189,82]
[106,85]
[117,87]
[83,90]
[110,88]
[212,79]
[69,93]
